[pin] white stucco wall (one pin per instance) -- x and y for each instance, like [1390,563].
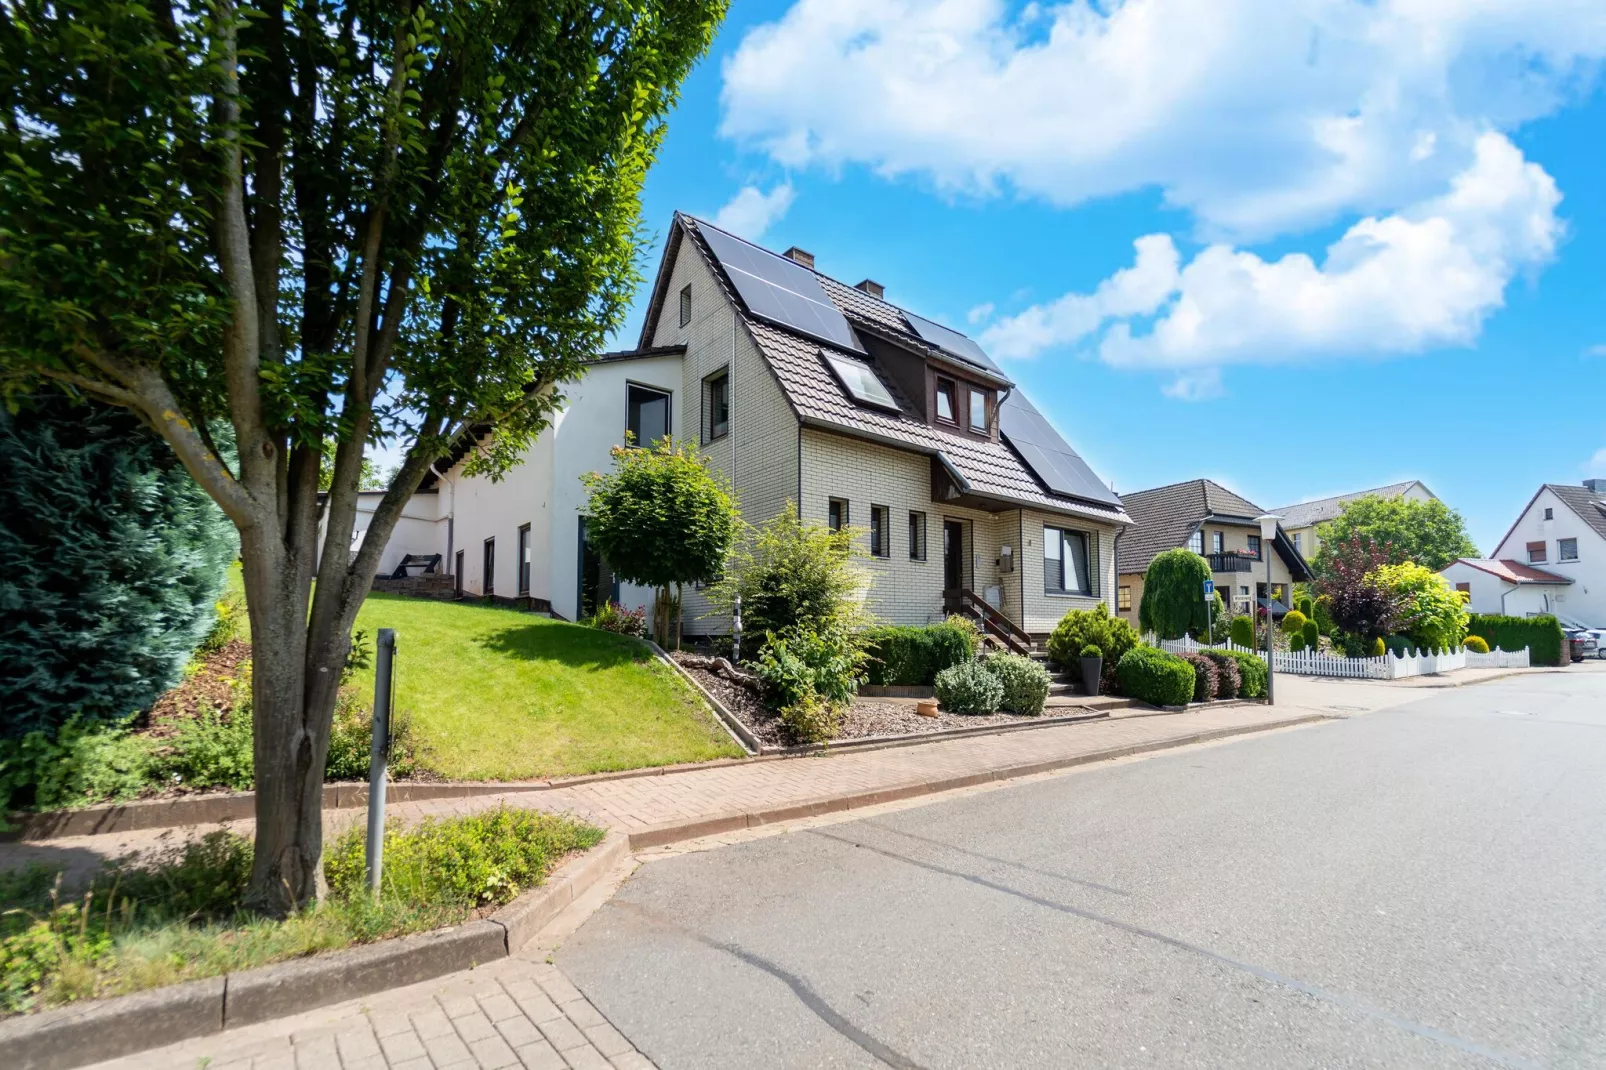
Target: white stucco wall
[1583,600]
[420,530]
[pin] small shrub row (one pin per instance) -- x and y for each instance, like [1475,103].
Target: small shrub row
[614,617]
[997,682]
[912,656]
[1153,676]
[1228,680]
[1543,636]
[1252,672]
[1204,677]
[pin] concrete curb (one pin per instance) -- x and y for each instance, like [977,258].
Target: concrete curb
[106,1029]
[732,724]
[675,832]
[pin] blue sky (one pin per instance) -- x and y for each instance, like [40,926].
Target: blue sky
[1301,247]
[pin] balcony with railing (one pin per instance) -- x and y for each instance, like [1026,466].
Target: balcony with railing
[1232,561]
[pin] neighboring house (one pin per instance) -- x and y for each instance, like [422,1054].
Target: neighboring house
[1560,535]
[1301,521]
[802,389]
[1217,524]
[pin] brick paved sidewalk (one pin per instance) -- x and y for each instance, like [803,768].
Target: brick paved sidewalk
[650,808]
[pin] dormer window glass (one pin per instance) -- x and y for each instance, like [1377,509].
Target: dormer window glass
[978,410]
[946,405]
[861,382]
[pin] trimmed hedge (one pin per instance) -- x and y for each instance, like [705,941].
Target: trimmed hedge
[1541,635]
[912,656]
[1252,672]
[1155,677]
[1228,679]
[1312,635]
[1026,683]
[1293,622]
[1204,677]
[1243,631]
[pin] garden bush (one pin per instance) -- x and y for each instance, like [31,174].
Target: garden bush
[1080,627]
[1293,622]
[906,655]
[1476,644]
[1204,677]
[1546,642]
[1307,606]
[796,665]
[1400,646]
[83,761]
[1173,602]
[1312,635]
[1296,642]
[1379,648]
[811,719]
[1228,680]
[1428,610]
[614,617]
[969,688]
[793,574]
[1243,631]
[1252,672]
[1153,676]
[1026,683]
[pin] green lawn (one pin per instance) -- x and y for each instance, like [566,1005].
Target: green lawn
[496,694]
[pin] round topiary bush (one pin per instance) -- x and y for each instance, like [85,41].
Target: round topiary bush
[1155,677]
[1025,682]
[1293,622]
[969,688]
[1296,642]
[1307,606]
[1242,632]
[1378,647]
[1313,636]
[1476,644]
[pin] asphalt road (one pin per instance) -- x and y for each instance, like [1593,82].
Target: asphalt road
[1421,886]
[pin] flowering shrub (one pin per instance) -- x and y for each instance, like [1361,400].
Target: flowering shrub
[614,617]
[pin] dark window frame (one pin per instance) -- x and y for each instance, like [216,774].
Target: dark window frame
[1218,542]
[1086,590]
[843,519]
[951,388]
[1196,542]
[880,536]
[488,568]
[685,305]
[1550,513]
[523,565]
[1254,547]
[631,387]
[986,425]
[1561,549]
[917,535]
[714,430]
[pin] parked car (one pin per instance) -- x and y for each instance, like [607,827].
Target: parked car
[1582,643]
[1599,636]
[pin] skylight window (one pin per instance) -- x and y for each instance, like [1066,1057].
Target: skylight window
[861,382]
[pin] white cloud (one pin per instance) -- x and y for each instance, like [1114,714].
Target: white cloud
[981,313]
[1424,276]
[1195,386]
[752,211]
[1596,351]
[1596,466]
[1259,116]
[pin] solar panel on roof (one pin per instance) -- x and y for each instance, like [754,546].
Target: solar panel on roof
[779,290]
[1048,455]
[951,341]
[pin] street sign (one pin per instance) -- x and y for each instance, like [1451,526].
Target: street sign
[1209,588]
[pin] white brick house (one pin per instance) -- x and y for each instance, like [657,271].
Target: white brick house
[963,491]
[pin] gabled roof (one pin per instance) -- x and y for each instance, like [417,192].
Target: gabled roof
[1320,511]
[1164,517]
[1511,571]
[986,469]
[1588,504]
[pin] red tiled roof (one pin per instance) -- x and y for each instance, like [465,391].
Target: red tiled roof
[1512,571]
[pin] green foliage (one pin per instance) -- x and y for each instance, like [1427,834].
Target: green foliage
[663,517]
[1429,533]
[227,625]
[1252,671]
[1312,635]
[805,664]
[212,751]
[1205,677]
[1293,622]
[1543,636]
[790,572]
[969,688]
[1025,682]
[1228,679]
[614,617]
[114,559]
[1153,676]
[1081,627]
[909,655]
[1173,594]
[1379,647]
[1399,645]
[1324,615]
[968,627]
[1092,650]
[1476,644]
[479,860]
[1307,606]
[1242,631]
[811,719]
[1296,642]
[83,761]
[1358,604]
[1426,607]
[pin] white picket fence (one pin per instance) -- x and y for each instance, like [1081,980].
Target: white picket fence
[1388,667]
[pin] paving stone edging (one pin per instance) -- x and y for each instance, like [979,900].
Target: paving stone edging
[124,1025]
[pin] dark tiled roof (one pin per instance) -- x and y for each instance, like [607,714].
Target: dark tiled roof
[989,469]
[1164,517]
[1320,511]
[1585,502]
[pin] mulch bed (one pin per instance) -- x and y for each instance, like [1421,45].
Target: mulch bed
[866,717]
[210,687]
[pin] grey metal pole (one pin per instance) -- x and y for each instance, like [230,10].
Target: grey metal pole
[1271,641]
[736,632]
[379,755]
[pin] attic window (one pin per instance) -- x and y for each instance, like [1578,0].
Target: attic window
[946,407]
[685,304]
[861,382]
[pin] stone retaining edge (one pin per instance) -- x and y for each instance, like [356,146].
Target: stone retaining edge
[732,724]
[104,1029]
[676,832]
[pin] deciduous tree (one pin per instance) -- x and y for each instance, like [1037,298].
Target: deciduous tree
[1429,533]
[395,221]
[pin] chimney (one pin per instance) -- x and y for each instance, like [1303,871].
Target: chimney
[804,258]
[871,287]
[1598,486]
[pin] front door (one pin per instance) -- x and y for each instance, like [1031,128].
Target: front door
[953,555]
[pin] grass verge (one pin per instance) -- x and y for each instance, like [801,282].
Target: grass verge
[177,918]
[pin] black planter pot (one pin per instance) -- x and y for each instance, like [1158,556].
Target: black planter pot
[1092,673]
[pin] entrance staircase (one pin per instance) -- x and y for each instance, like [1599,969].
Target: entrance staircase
[1007,634]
